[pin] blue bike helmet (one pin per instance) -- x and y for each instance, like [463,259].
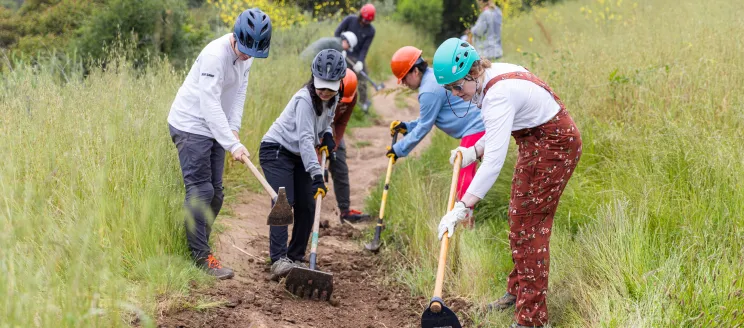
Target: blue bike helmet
[253,33]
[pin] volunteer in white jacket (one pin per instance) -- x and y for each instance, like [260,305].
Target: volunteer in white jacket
[514,102]
[204,121]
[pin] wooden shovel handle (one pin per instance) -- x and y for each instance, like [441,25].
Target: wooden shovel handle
[436,307]
[261,179]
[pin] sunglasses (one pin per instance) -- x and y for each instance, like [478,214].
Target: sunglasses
[457,87]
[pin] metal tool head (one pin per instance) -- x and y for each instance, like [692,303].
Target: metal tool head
[310,284]
[373,246]
[439,316]
[281,213]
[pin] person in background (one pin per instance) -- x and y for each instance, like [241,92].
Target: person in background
[344,44]
[204,121]
[361,26]
[487,31]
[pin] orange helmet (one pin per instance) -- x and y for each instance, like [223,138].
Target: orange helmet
[350,86]
[403,61]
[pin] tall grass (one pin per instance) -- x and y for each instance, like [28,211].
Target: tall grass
[650,231]
[91,226]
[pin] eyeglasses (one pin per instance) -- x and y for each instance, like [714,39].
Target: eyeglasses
[457,87]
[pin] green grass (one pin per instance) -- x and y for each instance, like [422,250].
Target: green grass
[91,226]
[650,231]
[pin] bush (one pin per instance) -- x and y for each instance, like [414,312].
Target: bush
[154,27]
[425,14]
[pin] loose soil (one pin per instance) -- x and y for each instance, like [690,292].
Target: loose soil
[363,294]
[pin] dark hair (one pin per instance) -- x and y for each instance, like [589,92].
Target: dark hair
[317,102]
[421,64]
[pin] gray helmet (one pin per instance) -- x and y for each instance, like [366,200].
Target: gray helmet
[329,64]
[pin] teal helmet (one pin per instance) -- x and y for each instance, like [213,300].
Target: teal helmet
[453,60]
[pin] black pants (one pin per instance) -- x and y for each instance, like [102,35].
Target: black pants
[284,169]
[202,162]
[340,174]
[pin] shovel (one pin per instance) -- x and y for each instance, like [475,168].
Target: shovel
[281,213]
[438,315]
[377,87]
[374,245]
[309,282]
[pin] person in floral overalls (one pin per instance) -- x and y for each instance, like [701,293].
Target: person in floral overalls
[514,102]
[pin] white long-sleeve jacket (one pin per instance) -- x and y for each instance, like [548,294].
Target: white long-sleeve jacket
[211,99]
[509,105]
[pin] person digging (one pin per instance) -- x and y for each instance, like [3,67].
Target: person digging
[514,102]
[338,168]
[450,114]
[204,121]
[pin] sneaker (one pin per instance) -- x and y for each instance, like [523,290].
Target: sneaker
[281,268]
[354,216]
[301,264]
[516,325]
[365,106]
[503,303]
[213,267]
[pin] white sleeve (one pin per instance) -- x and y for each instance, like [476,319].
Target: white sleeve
[498,117]
[211,77]
[236,114]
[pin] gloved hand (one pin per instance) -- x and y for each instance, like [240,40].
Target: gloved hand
[469,156]
[327,144]
[319,186]
[343,54]
[398,126]
[391,154]
[238,153]
[358,67]
[450,220]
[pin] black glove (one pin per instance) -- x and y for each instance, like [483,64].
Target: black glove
[399,127]
[327,144]
[391,153]
[319,186]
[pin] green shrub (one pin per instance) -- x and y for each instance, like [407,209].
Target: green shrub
[425,14]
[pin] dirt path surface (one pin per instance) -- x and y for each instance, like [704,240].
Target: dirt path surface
[364,296]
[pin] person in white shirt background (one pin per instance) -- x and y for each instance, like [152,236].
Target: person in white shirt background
[204,121]
[514,102]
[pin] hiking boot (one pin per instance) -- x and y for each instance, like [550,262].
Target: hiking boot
[354,216]
[213,267]
[503,303]
[281,268]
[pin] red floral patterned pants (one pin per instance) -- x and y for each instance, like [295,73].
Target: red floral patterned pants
[548,155]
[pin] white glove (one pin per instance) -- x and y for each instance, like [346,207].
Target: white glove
[358,67]
[450,220]
[469,156]
[343,54]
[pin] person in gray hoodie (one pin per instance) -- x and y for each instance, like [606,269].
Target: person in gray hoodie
[288,156]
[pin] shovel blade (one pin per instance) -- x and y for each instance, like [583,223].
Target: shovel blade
[281,213]
[444,319]
[310,284]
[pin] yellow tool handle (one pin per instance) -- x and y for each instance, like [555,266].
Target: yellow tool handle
[264,183]
[436,306]
[385,189]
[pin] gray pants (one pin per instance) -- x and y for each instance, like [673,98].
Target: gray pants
[340,174]
[202,162]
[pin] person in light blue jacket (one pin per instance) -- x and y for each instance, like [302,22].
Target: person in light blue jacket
[458,118]
[487,31]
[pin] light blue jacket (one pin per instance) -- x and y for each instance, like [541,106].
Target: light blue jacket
[436,110]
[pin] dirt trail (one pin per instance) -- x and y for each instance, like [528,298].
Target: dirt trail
[366,297]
